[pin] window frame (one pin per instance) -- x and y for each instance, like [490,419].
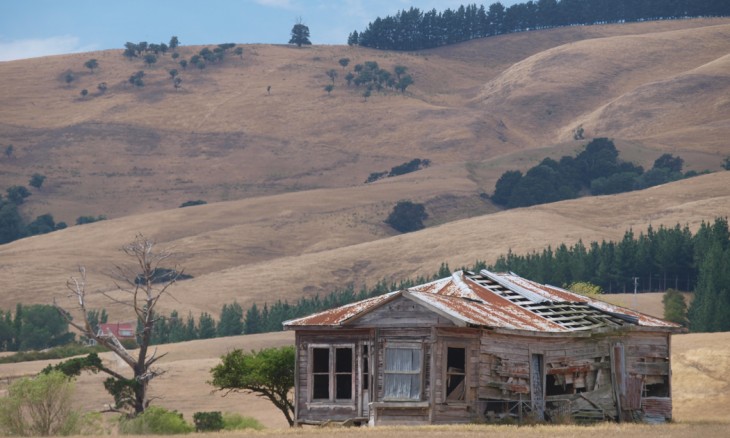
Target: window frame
[421,354]
[332,373]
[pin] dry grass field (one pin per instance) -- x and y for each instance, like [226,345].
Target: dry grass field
[700,386]
[289,215]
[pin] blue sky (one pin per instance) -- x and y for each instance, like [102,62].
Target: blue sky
[30,28]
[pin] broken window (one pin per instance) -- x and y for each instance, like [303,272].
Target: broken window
[455,373]
[402,373]
[332,369]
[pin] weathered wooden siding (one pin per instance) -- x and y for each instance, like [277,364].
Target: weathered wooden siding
[401,312]
[320,411]
[580,367]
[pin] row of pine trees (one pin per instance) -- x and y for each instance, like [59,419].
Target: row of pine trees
[414,29]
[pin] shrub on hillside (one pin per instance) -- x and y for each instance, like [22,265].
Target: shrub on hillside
[407,216]
[208,421]
[239,422]
[155,421]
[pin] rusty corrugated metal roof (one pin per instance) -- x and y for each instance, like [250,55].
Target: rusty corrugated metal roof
[490,300]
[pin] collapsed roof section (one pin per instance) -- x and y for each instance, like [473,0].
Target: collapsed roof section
[497,301]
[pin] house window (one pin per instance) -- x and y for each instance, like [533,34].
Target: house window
[455,373]
[125,332]
[402,374]
[332,373]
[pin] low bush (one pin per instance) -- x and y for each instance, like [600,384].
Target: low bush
[237,422]
[155,421]
[208,421]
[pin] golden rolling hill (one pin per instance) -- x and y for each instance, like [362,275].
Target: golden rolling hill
[289,214]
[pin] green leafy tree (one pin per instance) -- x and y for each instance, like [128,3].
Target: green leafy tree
[675,306]
[173,73]
[328,88]
[344,62]
[84,92]
[141,289]
[585,288]
[300,34]
[41,406]
[407,216]
[183,63]
[69,77]
[174,43]
[36,180]
[253,323]
[91,64]
[268,373]
[42,327]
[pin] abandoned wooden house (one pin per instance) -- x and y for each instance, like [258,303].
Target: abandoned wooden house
[478,347]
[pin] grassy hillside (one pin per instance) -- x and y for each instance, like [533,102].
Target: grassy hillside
[223,137]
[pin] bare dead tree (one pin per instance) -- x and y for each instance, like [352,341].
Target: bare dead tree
[141,288]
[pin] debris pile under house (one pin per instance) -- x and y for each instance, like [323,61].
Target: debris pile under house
[478,347]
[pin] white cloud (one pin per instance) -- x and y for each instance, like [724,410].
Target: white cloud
[34,47]
[283,4]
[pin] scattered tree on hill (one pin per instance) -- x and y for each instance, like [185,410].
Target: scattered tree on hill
[328,88]
[81,220]
[238,51]
[150,59]
[404,83]
[407,216]
[177,83]
[102,87]
[183,63]
[9,149]
[353,39]
[130,393]
[173,72]
[84,92]
[69,77]
[174,43]
[300,34]
[91,64]
[36,180]
[332,74]
[17,194]
[344,62]
[136,79]
[400,70]
[267,373]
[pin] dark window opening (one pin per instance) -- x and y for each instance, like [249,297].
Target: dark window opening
[455,373]
[320,360]
[320,373]
[343,372]
[321,387]
[657,389]
[555,384]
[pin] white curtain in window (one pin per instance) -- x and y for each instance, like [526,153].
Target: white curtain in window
[403,373]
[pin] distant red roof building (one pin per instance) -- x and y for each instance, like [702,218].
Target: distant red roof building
[121,330]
